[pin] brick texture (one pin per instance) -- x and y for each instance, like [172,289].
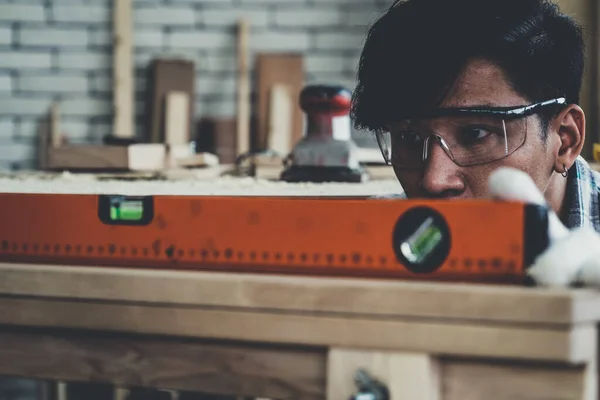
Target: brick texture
[5,35]
[58,50]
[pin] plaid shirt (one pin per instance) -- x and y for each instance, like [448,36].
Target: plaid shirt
[582,202]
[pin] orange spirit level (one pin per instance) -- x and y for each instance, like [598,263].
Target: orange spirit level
[472,240]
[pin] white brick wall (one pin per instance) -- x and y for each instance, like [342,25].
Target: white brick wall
[301,17]
[52,36]
[91,13]
[51,83]
[22,12]
[7,129]
[18,60]
[166,14]
[259,17]
[61,50]
[5,35]
[5,83]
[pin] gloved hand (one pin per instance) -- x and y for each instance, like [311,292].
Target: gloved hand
[573,256]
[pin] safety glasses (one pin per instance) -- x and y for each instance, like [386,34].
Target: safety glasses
[469,136]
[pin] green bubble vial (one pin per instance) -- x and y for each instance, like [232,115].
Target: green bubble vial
[127,211]
[419,246]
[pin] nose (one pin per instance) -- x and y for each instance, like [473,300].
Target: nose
[441,178]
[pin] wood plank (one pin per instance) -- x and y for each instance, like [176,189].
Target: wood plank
[281,111]
[137,157]
[359,297]
[164,76]
[218,136]
[133,361]
[147,157]
[475,380]
[123,90]
[273,69]
[243,100]
[46,129]
[568,345]
[56,138]
[87,157]
[262,371]
[143,157]
[177,121]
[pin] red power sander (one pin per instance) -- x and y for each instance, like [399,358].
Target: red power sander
[327,152]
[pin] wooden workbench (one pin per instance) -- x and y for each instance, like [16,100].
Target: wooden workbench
[296,337]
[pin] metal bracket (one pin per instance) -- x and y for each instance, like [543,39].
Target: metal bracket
[369,388]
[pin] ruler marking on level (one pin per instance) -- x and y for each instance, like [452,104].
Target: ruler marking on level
[353,237]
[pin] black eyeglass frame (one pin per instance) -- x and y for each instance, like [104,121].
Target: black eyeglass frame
[510,112]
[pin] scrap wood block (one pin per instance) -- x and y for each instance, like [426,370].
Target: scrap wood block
[99,157]
[177,121]
[262,166]
[243,141]
[218,136]
[274,70]
[165,76]
[123,79]
[136,157]
[281,110]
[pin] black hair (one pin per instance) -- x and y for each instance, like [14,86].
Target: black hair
[416,49]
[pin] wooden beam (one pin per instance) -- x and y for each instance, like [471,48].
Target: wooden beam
[243,100]
[279,69]
[185,365]
[444,302]
[123,90]
[568,345]
[137,157]
[142,157]
[242,369]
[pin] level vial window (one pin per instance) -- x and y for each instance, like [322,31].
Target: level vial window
[125,210]
[128,210]
[422,243]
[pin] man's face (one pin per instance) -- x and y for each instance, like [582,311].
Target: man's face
[481,83]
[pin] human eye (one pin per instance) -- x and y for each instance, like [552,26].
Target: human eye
[475,133]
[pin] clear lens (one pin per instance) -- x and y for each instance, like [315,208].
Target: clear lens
[383,140]
[466,140]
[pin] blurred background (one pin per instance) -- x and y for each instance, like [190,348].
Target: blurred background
[62,50]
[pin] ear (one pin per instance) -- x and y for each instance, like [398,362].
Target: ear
[570,128]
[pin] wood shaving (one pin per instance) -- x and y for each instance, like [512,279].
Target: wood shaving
[68,183]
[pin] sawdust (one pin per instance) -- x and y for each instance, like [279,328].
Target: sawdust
[68,183]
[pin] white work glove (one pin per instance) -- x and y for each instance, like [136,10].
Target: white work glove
[573,256]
